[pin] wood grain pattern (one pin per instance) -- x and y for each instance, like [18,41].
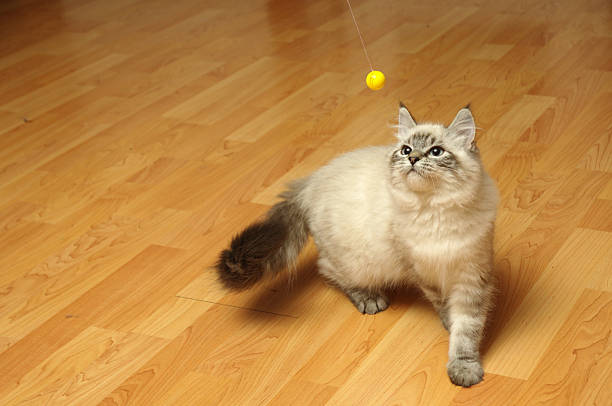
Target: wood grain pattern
[85,368]
[575,368]
[136,137]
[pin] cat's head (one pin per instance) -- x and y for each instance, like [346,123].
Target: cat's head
[432,157]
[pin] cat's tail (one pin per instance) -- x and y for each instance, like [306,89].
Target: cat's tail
[266,246]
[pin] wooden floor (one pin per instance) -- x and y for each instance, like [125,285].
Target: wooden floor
[137,136]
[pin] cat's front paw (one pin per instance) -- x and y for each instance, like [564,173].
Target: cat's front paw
[368,302]
[372,305]
[464,372]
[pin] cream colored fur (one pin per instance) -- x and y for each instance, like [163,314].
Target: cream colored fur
[420,212]
[379,221]
[371,233]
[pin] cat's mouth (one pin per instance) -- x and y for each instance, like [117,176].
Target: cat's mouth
[414,171]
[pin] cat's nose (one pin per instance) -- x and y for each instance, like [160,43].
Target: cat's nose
[413,159]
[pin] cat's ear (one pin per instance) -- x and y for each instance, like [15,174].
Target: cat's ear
[463,126]
[405,119]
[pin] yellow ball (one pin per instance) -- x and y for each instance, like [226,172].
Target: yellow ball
[375,80]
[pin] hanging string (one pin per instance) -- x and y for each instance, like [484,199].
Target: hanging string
[363,45]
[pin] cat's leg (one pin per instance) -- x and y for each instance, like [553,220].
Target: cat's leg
[370,301]
[468,306]
[439,304]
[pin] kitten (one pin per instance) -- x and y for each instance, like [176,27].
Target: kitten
[421,212]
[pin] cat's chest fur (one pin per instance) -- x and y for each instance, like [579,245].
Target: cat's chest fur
[437,240]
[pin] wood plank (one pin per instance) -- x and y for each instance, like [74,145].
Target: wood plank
[598,156]
[576,367]
[118,292]
[380,384]
[193,388]
[48,97]
[367,333]
[84,369]
[301,392]
[519,265]
[556,291]
[172,318]
[495,389]
[53,284]
[593,121]
[507,130]
[219,355]
[427,382]
[599,216]
[606,193]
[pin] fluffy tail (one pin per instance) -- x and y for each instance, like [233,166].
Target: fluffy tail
[267,246]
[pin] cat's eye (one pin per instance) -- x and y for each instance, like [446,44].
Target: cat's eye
[436,151]
[406,150]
